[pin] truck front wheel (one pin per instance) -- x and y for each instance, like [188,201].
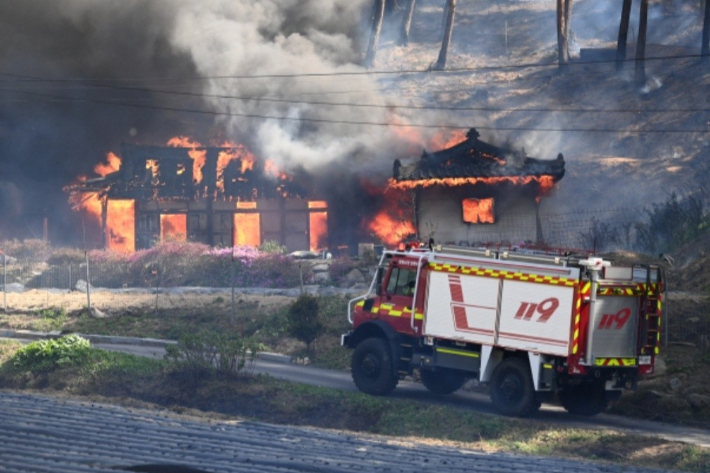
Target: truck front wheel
[512,390]
[372,367]
[442,381]
[587,399]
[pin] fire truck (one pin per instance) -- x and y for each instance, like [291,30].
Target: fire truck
[534,326]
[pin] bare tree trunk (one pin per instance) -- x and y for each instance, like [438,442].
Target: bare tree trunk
[443,53]
[623,34]
[705,49]
[375,35]
[407,23]
[564,11]
[641,45]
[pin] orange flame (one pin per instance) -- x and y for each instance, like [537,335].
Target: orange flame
[120,225]
[247,229]
[271,168]
[237,152]
[394,221]
[173,227]
[545,182]
[447,139]
[199,156]
[478,211]
[154,167]
[318,225]
[113,163]
[391,230]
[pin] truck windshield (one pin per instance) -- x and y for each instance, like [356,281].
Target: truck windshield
[401,282]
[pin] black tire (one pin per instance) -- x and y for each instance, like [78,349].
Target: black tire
[584,400]
[372,367]
[442,381]
[512,390]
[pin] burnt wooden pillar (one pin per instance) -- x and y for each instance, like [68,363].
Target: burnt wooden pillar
[379,14]
[564,12]
[623,34]
[448,31]
[407,23]
[641,46]
[705,48]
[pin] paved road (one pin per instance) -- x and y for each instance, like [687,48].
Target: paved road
[43,434]
[468,400]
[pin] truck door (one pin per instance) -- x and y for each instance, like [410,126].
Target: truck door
[399,296]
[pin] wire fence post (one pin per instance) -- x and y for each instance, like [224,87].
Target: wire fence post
[88,282]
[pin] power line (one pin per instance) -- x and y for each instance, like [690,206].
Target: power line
[456,70]
[373,123]
[401,106]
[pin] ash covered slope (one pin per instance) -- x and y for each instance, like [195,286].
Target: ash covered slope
[509,104]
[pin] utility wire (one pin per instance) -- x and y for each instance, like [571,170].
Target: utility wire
[399,106]
[454,70]
[372,123]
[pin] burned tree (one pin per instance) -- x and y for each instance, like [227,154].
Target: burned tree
[641,46]
[379,14]
[450,12]
[623,33]
[407,23]
[705,49]
[564,13]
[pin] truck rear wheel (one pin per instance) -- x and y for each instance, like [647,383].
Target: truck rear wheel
[585,399]
[512,390]
[442,381]
[372,367]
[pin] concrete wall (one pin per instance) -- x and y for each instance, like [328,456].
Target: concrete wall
[440,215]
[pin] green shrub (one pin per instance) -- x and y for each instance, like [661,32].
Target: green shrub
[48,355]
[304,320]
[201,355]
[52,318]
[271,246]
[671,224]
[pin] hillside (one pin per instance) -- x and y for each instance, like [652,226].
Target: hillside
[505,81]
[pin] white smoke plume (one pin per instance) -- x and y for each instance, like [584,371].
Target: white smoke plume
[287,38]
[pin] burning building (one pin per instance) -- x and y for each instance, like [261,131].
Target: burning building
[221,196]
[474,192]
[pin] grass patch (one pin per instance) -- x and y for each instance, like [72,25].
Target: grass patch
[132,379]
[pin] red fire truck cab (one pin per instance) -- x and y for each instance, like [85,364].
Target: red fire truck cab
[534,326]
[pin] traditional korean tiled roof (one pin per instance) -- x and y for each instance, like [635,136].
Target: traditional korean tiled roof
[474,158]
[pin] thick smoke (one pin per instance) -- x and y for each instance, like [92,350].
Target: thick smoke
[82,76]
[282,38]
